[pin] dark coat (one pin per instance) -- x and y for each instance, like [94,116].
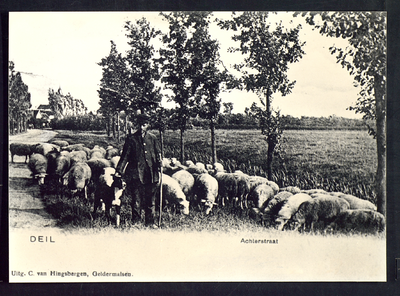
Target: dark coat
[138,153]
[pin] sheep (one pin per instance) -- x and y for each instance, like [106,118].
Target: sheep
[218,167]
[51,163]
[313,191]
[111,152]
[77,178]
[108,193]
[63,164]
[172,194]
[290,207]
[274,206]
[46,148]
[358,203]
[320,209]
[73,147]
[232,187]
[97,166]
[260,196]
[60,143]
[171,166]
[77,156]
[360,220]
[257,180]
[38,166]
[205,191]
[186,181]
[291,189]
[114,161]
[98,152]
[21,149]
[196,169]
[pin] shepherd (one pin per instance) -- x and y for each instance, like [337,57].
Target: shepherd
[141,156]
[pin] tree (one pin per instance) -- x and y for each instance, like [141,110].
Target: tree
[365,59]
[228,107]
[178,69]
[268,52]
[143,93]
[113,87]
[19,101]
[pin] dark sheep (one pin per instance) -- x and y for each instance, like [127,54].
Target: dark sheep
[323,209]
[360,221]
[21,149]
[111,152]
[77,178]
[38,166]
[97,166]
[232,188]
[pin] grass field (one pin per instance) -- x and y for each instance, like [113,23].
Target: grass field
[342,161]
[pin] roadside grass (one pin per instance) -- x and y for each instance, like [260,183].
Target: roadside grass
[342,161]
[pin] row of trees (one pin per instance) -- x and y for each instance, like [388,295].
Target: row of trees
[19,101]
[65,105]
[189,67]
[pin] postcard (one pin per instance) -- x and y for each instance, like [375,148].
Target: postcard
[260,122]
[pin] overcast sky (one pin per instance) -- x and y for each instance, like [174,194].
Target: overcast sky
[62,49]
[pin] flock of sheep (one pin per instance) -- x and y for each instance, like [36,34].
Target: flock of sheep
[198,186]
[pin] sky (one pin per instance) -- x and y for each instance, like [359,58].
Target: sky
[62,49]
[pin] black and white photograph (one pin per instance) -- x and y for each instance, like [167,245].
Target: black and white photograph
[198,146]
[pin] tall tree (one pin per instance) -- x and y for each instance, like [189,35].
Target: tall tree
[268,51]
[144,94]
[365,58]
[113,90]
[178,69]
[19,101]
[210,75]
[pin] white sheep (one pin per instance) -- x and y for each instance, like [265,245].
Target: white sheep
[186,181]
[290,207]
[172,194]
[205,191]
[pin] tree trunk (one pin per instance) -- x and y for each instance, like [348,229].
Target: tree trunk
[271,144]
[108,125]
[118,128]
[213,146]
[126,125]
[162,143]
[381,147]
[113,126]
[182,156]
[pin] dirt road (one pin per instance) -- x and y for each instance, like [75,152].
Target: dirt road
[26,209]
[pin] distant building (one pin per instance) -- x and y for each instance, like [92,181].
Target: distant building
[43,111]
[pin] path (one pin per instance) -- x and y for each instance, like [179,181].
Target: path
[26,209]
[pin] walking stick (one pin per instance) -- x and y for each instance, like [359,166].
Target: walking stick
[159,218]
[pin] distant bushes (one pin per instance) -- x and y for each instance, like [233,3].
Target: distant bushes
[79,123]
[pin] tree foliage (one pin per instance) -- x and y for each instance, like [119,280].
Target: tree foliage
[365,58]
[268,50]
[65,105]
[143,72]
[19,100]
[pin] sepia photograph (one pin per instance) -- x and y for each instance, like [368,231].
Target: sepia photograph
[197,146]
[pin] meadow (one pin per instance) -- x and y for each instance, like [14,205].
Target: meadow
[333,160]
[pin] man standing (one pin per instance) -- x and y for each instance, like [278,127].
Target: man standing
[141,156]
